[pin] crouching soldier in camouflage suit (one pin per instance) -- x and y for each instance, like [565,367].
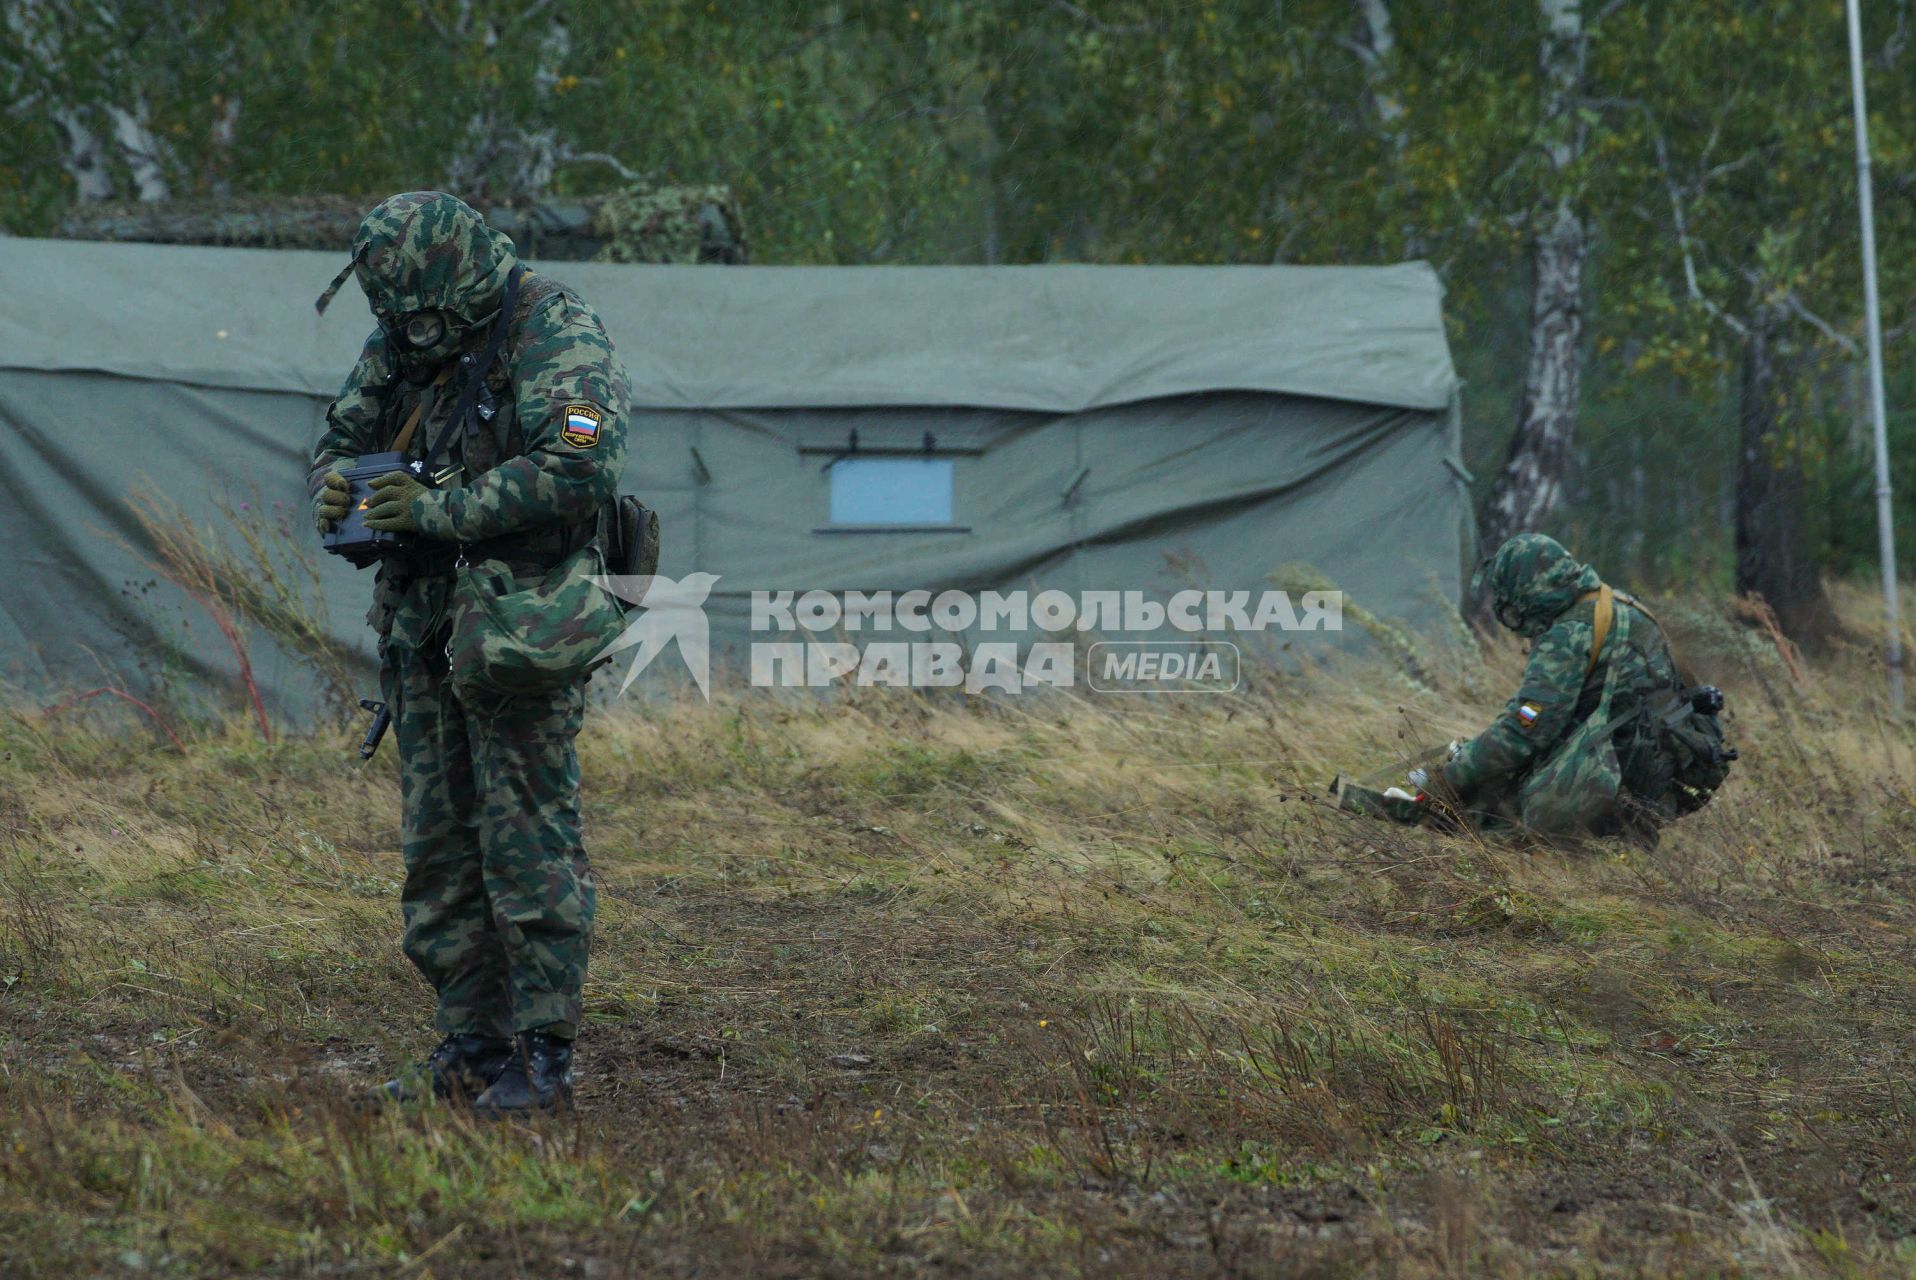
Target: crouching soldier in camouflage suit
[1603,737]
[498,899]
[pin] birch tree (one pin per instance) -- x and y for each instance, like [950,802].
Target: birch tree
[515,142]
[1375,44]
[73,67]
[1531,481]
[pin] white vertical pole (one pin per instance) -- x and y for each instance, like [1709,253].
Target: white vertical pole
[1885,519]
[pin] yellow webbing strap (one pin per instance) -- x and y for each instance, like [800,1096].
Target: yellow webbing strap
[1600,627]
[1606,613]
[404,437]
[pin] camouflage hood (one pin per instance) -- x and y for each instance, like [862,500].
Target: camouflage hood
[1532,581]
[428,251]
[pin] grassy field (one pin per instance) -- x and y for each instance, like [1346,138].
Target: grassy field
[894,985]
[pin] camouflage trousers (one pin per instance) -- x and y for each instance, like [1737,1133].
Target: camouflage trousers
[499,898]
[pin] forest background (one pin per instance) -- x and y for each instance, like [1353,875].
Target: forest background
[1644,213]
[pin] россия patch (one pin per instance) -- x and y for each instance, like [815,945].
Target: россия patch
[581,426]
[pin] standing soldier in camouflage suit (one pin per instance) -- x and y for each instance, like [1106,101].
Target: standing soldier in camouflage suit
[1603,737]
[498,899]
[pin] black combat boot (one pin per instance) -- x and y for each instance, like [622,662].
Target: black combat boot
[538,1077]
[460,1069]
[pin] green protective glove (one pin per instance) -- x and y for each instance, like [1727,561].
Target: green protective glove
[329,501]
[392,510]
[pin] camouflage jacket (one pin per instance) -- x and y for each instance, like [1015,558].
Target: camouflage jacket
[526,476]
[1540,590]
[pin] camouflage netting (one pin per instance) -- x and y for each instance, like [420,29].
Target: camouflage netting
[652,224]
[681,225]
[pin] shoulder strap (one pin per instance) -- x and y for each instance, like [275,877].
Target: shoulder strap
[1600,627]
[476,378]
[1683,672]
[404,437]
[1640,607]
[1606,615]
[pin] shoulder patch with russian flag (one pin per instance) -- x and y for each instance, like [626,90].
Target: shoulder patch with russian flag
[1527,715]
[580,425]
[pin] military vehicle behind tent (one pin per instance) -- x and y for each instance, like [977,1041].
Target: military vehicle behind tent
[681,225]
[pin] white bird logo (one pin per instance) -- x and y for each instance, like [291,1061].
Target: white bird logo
[673,611]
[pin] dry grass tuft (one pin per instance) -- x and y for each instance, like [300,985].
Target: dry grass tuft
[896,985]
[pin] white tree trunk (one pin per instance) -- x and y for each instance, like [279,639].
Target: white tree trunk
[1374,49]
[1531,483]
[1374,44]
[84,158]
[515,160]
[140,150]
[1537,464]
[36,33]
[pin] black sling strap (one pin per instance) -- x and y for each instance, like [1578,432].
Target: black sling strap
[476,380]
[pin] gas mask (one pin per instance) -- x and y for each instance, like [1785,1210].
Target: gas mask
[424,329]
[421,341]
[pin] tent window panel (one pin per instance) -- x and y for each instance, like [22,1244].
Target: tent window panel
[891,491]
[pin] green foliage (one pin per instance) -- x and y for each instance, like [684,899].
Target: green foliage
[976,130]
[1745,182]
[1220,131]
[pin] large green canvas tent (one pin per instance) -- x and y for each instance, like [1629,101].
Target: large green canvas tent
[1072,428]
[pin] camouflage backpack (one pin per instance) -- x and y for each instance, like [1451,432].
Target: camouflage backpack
[1683,727]
[1582,782]
[1690,735]
[1673,746]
